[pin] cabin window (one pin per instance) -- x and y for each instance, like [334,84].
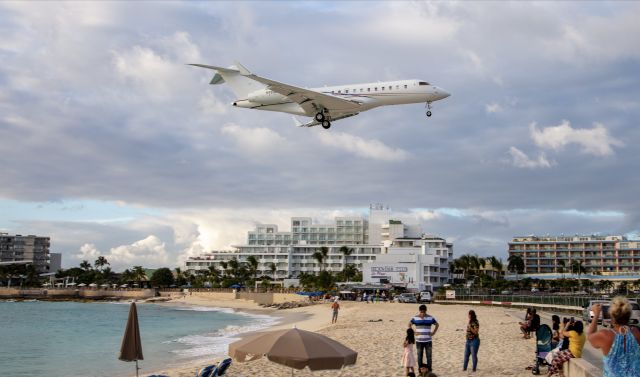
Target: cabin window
[423,83]
[347,91]
[375,89]
[382,88]
[405,87]
[332,92]
[397,86]
[361,90]
[339,92]
[368,89]
[390,87]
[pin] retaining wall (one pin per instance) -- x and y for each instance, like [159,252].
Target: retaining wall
[260,298]
[90,294]
[580,368]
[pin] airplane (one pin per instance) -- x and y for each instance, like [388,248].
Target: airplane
[326,104]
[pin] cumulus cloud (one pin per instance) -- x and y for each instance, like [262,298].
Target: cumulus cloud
[521,160]
[148,252]
[595,141]
[365,148]
[255,141]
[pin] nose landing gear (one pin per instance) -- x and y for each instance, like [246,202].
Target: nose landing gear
[428,106]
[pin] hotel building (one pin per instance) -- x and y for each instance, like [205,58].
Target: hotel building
[379,244]
[18,249]
[600,255]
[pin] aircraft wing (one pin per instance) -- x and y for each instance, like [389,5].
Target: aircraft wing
[311,101]
[314,122]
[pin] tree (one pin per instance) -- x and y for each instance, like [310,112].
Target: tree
[139,274]
[85,265]
[346,252]
[321,256]
[100,263]
[516,263]
[162,277]
[576,266]
[561,267]
[273,268]
[180,279]
[253,266]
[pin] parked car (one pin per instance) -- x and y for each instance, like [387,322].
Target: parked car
[407,298]
[506,292]
[587,313]
[424,296]
[635,313]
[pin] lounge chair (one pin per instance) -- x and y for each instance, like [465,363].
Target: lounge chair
[208,371]
[543,347]
[215,370]
[223,366]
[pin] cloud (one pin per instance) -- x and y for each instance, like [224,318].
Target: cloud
[595,141]
[521,160]
[255,141]
[369,149]
[149,252]
[492,108]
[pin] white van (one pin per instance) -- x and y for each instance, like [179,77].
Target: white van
[424,296]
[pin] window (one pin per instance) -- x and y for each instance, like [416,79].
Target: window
[397,86]
[361,90]
[339,92]
[390,87]
[347,91]
[382,88]
[405,87]
[376,88]
[368,89]
[423,83]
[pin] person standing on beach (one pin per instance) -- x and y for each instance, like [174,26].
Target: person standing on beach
[473,341]
[408,358]
[423,323]
[335,307]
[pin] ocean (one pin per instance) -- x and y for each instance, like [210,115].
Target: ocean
[74,339]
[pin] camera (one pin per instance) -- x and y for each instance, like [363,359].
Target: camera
[565,320]
[571,320]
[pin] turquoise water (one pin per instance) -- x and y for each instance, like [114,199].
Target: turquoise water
[73,339]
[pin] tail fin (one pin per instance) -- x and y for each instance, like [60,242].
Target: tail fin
[234,77]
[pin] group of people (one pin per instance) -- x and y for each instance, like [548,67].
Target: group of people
[619,344]
[422,337]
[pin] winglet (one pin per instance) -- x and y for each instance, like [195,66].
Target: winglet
[243,70]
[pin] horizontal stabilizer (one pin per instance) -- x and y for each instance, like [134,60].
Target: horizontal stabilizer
[217,79]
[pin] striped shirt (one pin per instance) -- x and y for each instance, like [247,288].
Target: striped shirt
[423,328]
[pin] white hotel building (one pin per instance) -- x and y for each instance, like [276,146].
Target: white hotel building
[385,250]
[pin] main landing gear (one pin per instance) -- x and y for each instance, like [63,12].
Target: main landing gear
[324,121]
[428,106]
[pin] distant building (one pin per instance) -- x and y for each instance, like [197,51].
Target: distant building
[599,255]
[55,262]
[377,241]
[25,250]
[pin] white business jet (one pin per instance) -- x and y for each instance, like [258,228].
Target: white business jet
[325,104]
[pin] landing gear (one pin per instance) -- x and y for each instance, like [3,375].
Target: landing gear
[428,113]
[320,117]
[326,124]
[428,105]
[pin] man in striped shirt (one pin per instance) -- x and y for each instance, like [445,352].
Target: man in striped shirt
[423,323]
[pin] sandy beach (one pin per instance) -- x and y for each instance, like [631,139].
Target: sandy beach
[502,352]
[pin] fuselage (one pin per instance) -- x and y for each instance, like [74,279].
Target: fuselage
[364,96]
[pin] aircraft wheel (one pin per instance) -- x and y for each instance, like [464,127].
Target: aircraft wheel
[320,117]
[326,124]
[429,113]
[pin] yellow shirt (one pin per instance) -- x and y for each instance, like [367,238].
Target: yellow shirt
[576,343]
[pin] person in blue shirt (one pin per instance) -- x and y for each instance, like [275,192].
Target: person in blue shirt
[424,334]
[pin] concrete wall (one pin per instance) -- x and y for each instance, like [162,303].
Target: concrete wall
[90,294]
[261,298]
[580,368]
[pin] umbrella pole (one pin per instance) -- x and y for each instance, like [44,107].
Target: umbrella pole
[137,368]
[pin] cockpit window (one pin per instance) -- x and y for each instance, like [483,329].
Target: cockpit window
[423,83]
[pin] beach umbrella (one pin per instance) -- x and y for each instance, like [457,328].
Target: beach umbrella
[105,285]
[294,348]
[131,348]
[82,285]
[93,285]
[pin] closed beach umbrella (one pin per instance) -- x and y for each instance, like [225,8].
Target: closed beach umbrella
[131,349]
[294,348]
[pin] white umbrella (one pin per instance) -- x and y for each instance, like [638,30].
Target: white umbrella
[93,285]
[47,284]
[105,285]
[124,286]
[58,284]
[71,284]
[81,285]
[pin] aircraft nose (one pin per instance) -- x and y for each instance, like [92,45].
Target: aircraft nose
[442,94]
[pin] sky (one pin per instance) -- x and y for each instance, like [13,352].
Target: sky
[111,145]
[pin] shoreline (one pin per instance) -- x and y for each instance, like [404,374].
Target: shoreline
[301,317]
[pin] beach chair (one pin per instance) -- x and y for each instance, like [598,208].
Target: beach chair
[543,347]
[215,370]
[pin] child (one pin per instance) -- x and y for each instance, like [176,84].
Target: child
[409,358]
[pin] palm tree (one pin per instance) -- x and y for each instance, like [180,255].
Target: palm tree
[234,266]
[214,274]
[516,263]
[576,266]
[138,274]
[85,265]
[561,267]
[273,268]
[346,252]
[321,256]
[224,266]
[350,271]
[100,263]
[253,266]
